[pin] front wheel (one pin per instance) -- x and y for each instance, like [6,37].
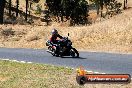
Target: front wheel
[74,53]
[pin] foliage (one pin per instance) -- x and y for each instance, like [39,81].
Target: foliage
[113,8]
[36,1]
[75,10]
[101,1]
[38,10]
[7,32]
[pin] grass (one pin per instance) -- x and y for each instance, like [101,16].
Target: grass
[24,75]
[19,75]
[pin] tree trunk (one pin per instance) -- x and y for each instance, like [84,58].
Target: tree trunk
[10,8]
[17,6]
[30,6]
[2,6]
[124,5]
[26,10]
[101,5]
[97,6]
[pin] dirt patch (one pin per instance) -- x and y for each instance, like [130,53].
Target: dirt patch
[2,79]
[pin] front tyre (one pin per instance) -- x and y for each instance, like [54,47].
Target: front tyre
[74,53]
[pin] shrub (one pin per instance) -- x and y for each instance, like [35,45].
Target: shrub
[8,32]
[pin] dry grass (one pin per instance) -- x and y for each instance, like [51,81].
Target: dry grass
[111,35]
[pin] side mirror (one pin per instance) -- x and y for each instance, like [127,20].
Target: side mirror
[68,34]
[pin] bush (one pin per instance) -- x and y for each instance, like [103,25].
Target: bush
[113,8]
[33,38]
[8,32]
[38,10]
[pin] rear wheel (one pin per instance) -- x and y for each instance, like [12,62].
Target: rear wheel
[74,53]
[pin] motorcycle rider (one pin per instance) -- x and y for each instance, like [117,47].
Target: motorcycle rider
[54,41]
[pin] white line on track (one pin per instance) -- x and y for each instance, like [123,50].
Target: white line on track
[5,59]
[96,72]
[29,62]
[72,68]
[14,60]
[22,62]
[89,71]
[66,67]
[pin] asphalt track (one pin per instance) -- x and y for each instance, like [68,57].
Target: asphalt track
[92,61]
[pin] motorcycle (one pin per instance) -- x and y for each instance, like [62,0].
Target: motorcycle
[62,48]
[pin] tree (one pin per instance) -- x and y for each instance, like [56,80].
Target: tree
[2,5]
[76,10]
[35,1]
[27,6]
[125,4]
[10,2]
[17,6]
[30,6]
[26,10]
[99,4]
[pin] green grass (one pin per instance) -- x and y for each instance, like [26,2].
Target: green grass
[23,75]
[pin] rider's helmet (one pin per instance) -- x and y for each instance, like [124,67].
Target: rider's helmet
[54,32]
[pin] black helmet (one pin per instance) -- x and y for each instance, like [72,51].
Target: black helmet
[54,32]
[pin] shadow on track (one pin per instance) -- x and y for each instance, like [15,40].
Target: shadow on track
[74,57]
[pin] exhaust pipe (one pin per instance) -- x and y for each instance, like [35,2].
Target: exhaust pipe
[49,52]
